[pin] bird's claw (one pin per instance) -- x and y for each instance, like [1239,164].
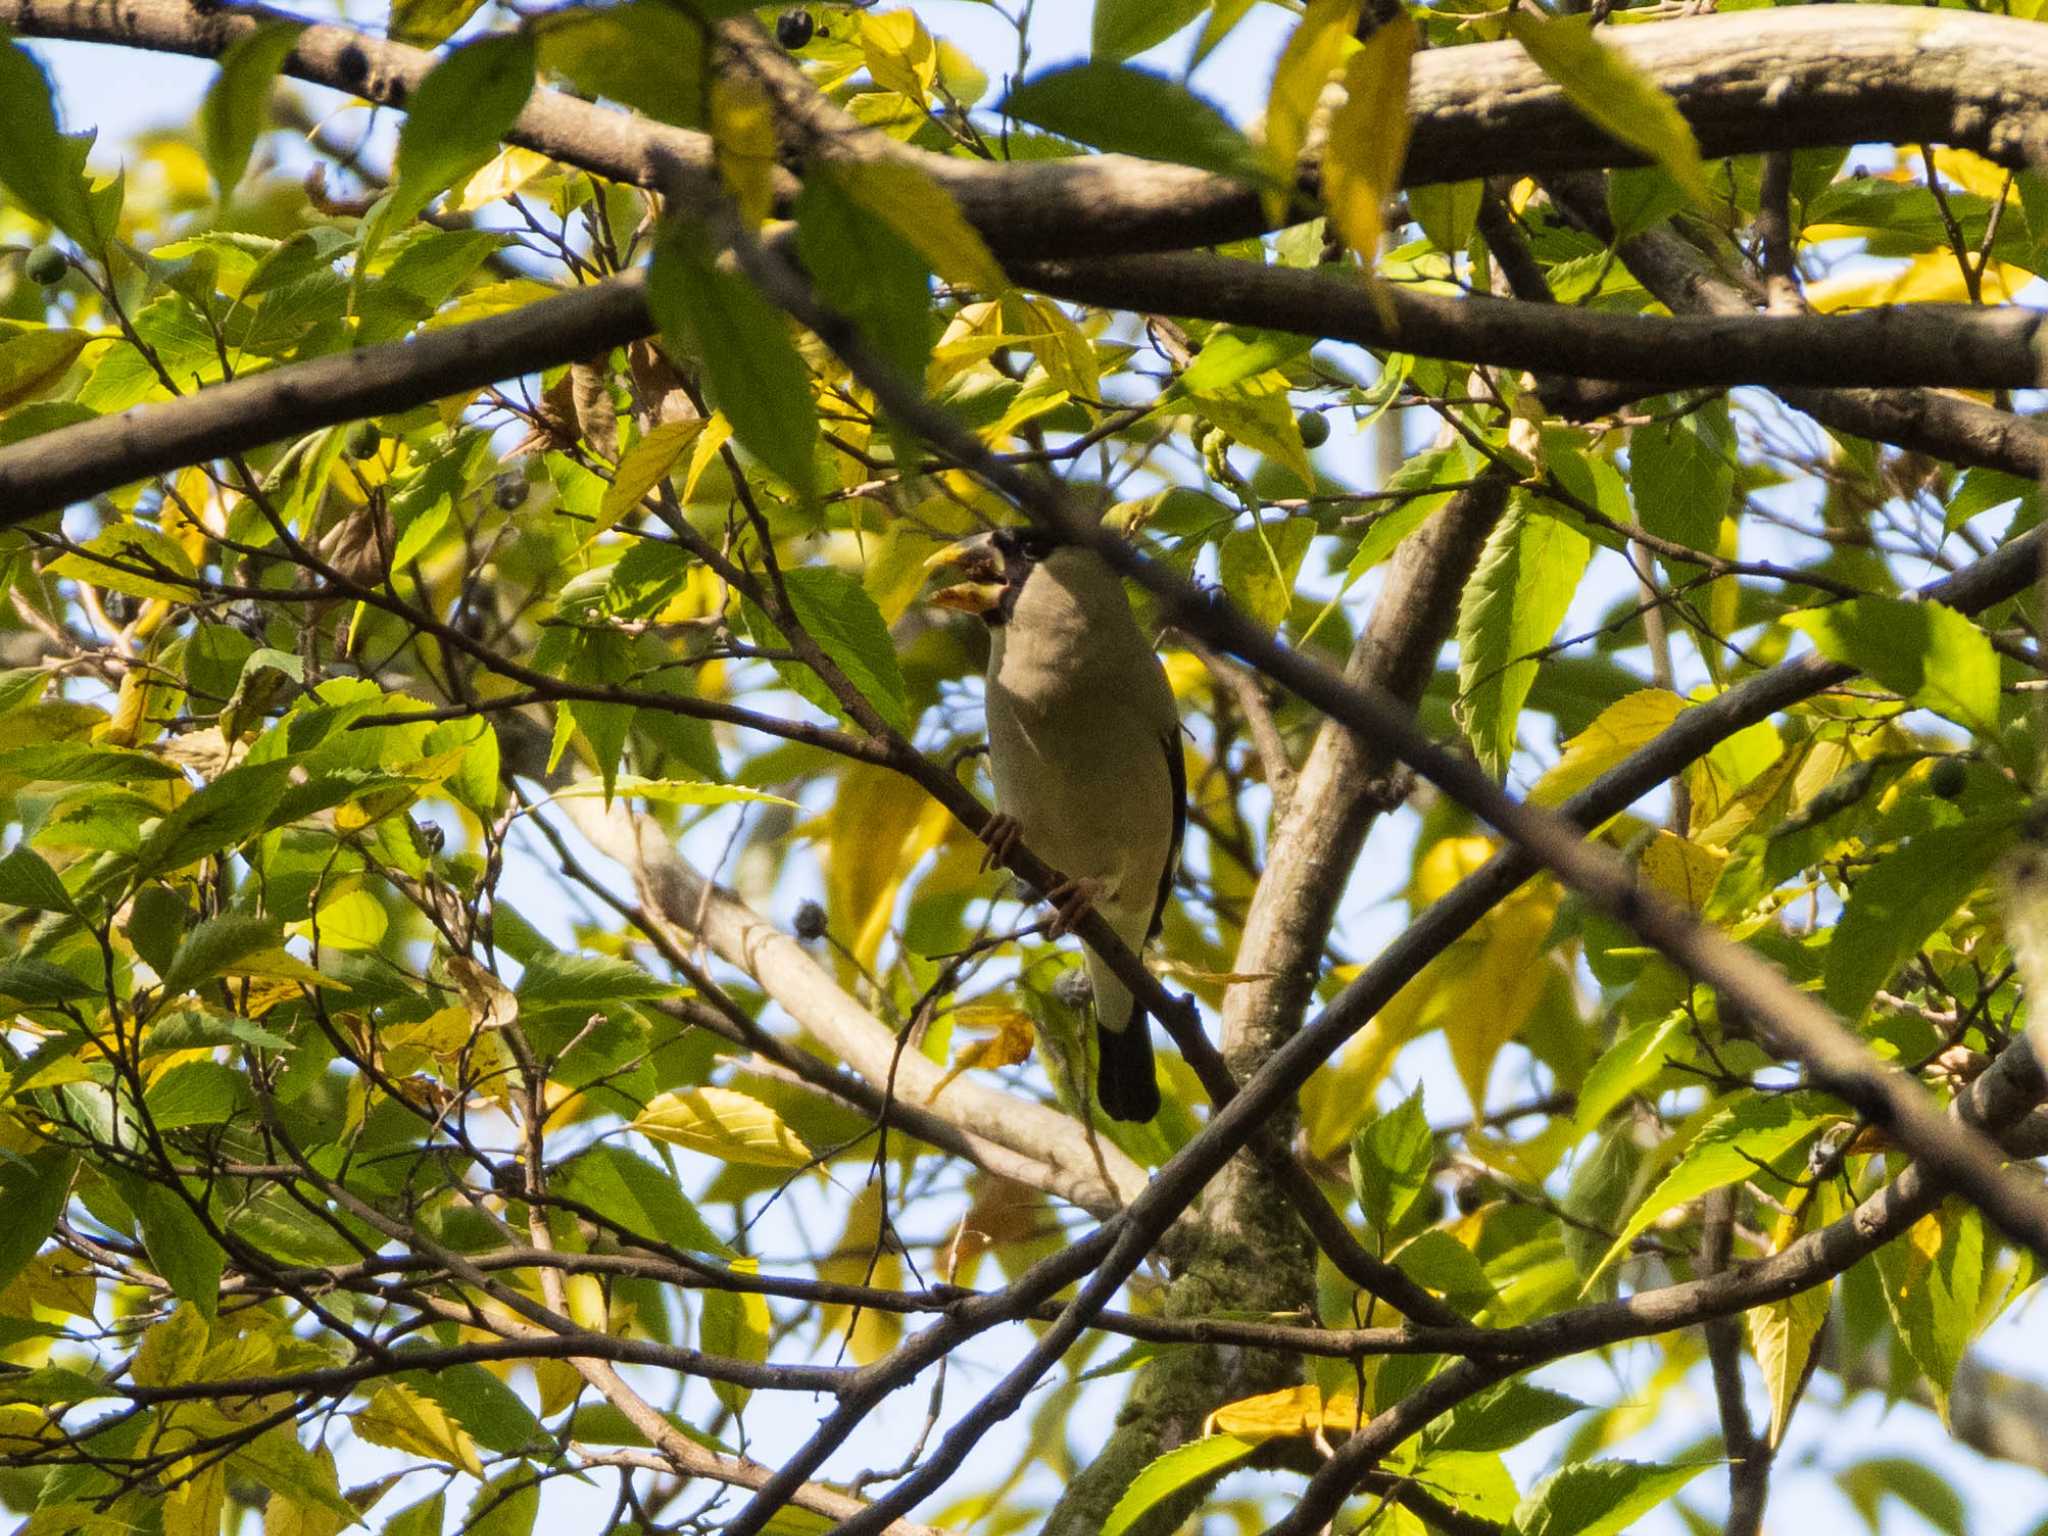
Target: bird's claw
[1070,903]
[1001,834]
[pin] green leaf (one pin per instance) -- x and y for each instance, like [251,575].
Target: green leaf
[1936,1299]
[429,23]
[196,1093]
[1391,1156]
[505,1506]
[42,170]
[237,106]
[64,762]
[133,558]
[629,1190]
[213,946]
[33,1191]
[1682,476]
[1753,1131]
[36,983]
[1134,112]
[645,54]
[1231,356]
[1258,566]
[865,271]
[34,362]
[1931,656]
[1632,1061]
[1126,27]
[1168,1474]
[495,1416]
[1615,95]
[1598,1498]
[1901,900]
[453,123]
[757,376]
[426,1518]
[180,1249]
[838,614]
[222,815]
[26,880]
[1986,490]
[738,1326]
[1511,608]
[1928,1493]
[581,983]
[1501,1417]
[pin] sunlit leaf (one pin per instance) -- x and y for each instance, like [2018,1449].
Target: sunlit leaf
[726,1125]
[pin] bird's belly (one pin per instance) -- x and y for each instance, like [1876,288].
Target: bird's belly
[1095,803]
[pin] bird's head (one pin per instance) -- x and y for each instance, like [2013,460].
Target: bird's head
[991,570]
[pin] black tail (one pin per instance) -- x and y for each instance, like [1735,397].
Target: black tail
[1125,1083]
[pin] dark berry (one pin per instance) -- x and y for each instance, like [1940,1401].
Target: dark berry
[794,29]
[45,265]
[509,491]
[362,443]
[810,922]
[1315,430]
[1947,777]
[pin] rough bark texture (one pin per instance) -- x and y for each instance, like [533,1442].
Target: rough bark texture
[1251,1252]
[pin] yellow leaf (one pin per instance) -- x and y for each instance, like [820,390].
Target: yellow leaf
[1012,1042]
[401,1419]
[916,207]
[1619,730]
[1611,92]
[1680,870]
[491,299]
[880,827]
[1495,978]
[863,1257]
[1061,349]
[502,176]
[1369,136]
[1782,1334]
[35,361]
[900,54]
[1311,56]
[645,466]
[1299,1410]
[723,1124]
[192,1508]
[713,438]
[743,138]
[1933,278]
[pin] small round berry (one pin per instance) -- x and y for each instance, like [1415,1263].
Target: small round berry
[46,265]
[509,491]
[1947,778]
[810,922]
[1314,427]
[362,443]
[794,29]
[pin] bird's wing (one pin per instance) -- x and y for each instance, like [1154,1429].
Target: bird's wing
[1177,779]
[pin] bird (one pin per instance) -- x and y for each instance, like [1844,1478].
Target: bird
[1084,747]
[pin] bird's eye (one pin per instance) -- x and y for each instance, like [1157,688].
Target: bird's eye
[1035,546]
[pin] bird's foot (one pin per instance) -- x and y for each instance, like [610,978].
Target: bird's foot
[1071,902]
[1002,835]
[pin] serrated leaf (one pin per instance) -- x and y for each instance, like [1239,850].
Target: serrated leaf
[490,1411]
[1369,135]
[1502,1417]
[33,1191]
[641,1198]
[836,611]
[1617,733]
[1132,111]
[924,216]
[1391,1156]
[1750,1133]
[399,1417]
[1900,901]
[196,1093]
[646,464]
[724,1124]
[1599,1498]
[1782,1334]
[215,945]
[1682,476]
[1166,1475]
[1930,655]
[27,880]
[1313,52]
[1518,595]
[669,792]
[237,105]
[756,374]
[458,114]
[132,558]
[1611,92]
[1636,1057]
[179,1247]
[1934,1287]
[33,362]
[42,170]
[737,1325]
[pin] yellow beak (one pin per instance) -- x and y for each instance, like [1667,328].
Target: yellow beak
[981,564]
